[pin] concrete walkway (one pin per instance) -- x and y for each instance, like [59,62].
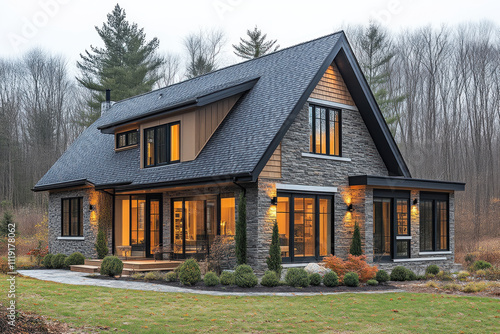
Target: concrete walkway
[76,278]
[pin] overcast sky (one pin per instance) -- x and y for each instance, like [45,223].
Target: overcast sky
[67,26]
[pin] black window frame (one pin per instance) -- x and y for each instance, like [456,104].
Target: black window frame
[167,128]
[127,144]
[312,117]
[80,217]
[435,197]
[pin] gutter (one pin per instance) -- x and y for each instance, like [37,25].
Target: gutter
[61,185]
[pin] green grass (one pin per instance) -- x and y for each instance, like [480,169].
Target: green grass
[154,312]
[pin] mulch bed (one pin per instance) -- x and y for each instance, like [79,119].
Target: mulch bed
[258,288]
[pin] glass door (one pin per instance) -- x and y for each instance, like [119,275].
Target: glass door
[154,224]
[304,227]
[382,228]
[138,225]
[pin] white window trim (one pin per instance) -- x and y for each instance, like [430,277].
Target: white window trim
[436,253]
[296,187]
[403,237]
[326,157]
[443,258]
[326,103]
[71,238]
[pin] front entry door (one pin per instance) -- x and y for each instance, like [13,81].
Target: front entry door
[145,224]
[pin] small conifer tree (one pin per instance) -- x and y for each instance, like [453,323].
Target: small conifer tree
[356,242]
[241,231]
[101,246]
[274,259]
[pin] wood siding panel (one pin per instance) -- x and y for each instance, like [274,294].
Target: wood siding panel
[209,118]
[332,87]
[272,170]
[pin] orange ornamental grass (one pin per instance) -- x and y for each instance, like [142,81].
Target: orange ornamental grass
[353,263]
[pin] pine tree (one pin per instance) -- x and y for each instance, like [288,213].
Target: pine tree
[128,64]
[7,219]
[256,46]
[377,54]
[355,248]
[274,259]
[241,231]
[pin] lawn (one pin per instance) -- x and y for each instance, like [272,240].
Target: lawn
[155,312]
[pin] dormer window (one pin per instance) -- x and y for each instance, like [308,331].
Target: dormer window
[127,139]
[162,145]
[325,130]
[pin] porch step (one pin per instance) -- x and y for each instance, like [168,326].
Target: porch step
[149,265]
[93,262]
[128,271]
[85,269]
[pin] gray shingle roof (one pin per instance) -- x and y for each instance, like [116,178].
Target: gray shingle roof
[238,144]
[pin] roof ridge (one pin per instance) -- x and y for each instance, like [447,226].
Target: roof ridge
[229,66]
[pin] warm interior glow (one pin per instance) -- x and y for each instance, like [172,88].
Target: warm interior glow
[227,216]
[174,143]
[282,218]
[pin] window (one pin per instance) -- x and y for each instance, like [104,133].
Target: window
[162,145]
[72,217]
[304,225]
[325,130]
[434,224]
[126,139]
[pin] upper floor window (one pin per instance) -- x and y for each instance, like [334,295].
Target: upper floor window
[162,144]
[72,217]
[325,130]
[126,139]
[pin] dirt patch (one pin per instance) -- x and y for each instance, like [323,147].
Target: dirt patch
[260,288]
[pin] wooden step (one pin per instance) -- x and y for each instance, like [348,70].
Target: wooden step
[149,265]
[128,271]
[93,262]
[85,269]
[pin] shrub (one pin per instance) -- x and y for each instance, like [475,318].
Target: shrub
[241,231]
[432,284]
[111,266]
[382,276]
[353,263]
[227,278]
[444,276]
[211,279]
[463,275]
[481,265]
[171,277]
[469,259]
[421,277]
[47,261]
[74,259]
[297,277]
[270,279]
[480,273]
[315,279]
[154,276]
[432,269]
[410,275]
[398,273]
[372,282]
[474,287]
[38,253]
[492,274]
[189,272]
[331,279]
[101,246]
[274,258]
[452,287]
[351,279]
[355,248]
[244,276]
[138,276]
[57,261]
[221,254]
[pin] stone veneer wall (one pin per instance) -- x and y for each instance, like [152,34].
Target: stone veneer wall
[103,217]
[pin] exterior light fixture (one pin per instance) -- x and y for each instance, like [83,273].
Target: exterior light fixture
[92,207]
[415,201]
[350,208]
[274,200]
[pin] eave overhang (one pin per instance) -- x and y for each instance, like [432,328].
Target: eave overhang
[393,182]
[191,103]
[63,185]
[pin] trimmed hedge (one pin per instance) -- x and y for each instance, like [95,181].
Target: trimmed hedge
[372,282]
[47,261]
[211,279]
[351,279]
[227,278]
[189,272]
[74,259]
[270,279]
[331,279]
[171,277]
[432,269]
[57,261]
[297,277]
[111,266]
[315,279]
[244,276]
[481,265]
[398,274]
[382,276]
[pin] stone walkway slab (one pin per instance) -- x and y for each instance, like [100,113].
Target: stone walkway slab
[76,278]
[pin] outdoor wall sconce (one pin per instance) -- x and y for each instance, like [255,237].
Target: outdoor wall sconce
[274,200]
[415,201]
[92,207]
[350,208]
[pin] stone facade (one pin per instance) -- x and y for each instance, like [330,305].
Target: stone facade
[92,221]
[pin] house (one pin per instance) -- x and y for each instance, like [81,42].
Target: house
[298,132]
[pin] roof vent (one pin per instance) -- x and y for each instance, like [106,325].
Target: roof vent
[161,95]
[106,105]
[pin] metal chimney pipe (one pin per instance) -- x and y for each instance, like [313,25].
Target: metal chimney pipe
[108,95]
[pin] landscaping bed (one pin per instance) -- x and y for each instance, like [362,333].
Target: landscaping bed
[259,288]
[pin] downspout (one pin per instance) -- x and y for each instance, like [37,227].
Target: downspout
[239,185]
